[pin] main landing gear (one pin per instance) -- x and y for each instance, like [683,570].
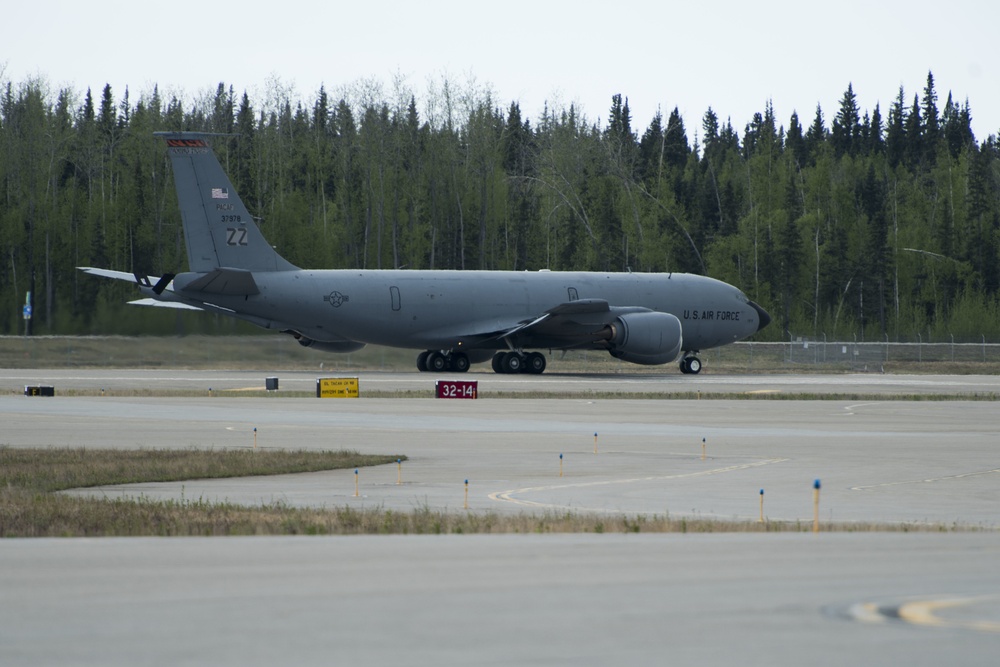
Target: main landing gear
[519,362]
[690,364]
[437,362]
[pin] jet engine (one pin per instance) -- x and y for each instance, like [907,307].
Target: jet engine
[648,338]
[341,346]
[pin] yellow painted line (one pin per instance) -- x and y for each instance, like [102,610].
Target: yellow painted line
[508,496]
[764,391]
[924,612]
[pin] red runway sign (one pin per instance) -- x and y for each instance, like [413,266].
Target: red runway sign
[457,388]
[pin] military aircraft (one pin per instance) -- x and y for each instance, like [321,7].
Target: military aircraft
[456,317]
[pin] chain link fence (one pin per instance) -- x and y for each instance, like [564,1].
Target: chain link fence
[866,356]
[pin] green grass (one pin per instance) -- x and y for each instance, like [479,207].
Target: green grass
[30,478]
[58,469]
[31,507]
[272,351]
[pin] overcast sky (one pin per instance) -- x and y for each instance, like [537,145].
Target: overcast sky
[733,56]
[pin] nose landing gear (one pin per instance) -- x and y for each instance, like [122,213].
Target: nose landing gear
[690,365]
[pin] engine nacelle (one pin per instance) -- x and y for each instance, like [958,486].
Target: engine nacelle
[341,346]
[649,339]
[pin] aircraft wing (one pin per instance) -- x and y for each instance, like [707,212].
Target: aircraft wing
[566,318]
[574,323]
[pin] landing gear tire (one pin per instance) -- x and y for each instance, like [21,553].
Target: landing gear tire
[436,362]
[517,362]
[458,362]
[512,363]
[690,365]
[497,362]
[535,363]
[422,361]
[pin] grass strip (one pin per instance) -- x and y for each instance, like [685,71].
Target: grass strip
[45,470]
[29,478]
[30,506]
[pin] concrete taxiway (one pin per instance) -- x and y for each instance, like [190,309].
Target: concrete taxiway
[735,599]
[891,461]
[93,380]
[824,599]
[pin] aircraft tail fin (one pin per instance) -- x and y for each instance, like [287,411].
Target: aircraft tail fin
[218,229]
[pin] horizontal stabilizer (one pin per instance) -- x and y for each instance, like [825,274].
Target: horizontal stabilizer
[228,282]
[163,304]
[108,273]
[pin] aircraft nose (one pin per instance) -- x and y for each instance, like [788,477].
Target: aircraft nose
[762,316]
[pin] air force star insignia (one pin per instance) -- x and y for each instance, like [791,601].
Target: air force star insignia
[336,299]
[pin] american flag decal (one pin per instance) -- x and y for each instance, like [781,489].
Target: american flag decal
[186,143]
[220,193]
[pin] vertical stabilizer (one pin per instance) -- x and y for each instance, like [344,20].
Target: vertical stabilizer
[218,230]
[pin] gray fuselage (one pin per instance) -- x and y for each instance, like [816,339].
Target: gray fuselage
[440,309]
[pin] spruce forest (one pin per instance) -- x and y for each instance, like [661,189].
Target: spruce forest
[877,224]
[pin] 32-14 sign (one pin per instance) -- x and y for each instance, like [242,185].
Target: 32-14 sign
[457,388]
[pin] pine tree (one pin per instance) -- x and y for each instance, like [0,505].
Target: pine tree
[876,262]
[815,135]
[621,140]
[795,141]
[620,121]
[709,132]
[709,127]
[955,127]
[895,132]
[675,143]
[875,140]
[929,129]
[651,151]
[845,134]
[913,152]
[244,173]
[789,251]
[223,104]
[984,218]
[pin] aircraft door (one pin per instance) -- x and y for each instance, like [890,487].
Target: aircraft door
[394,298]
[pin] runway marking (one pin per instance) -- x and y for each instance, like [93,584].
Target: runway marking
[923,612]
[508,496]
[927,481]
[850,408]
[926,613]
[867,612]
